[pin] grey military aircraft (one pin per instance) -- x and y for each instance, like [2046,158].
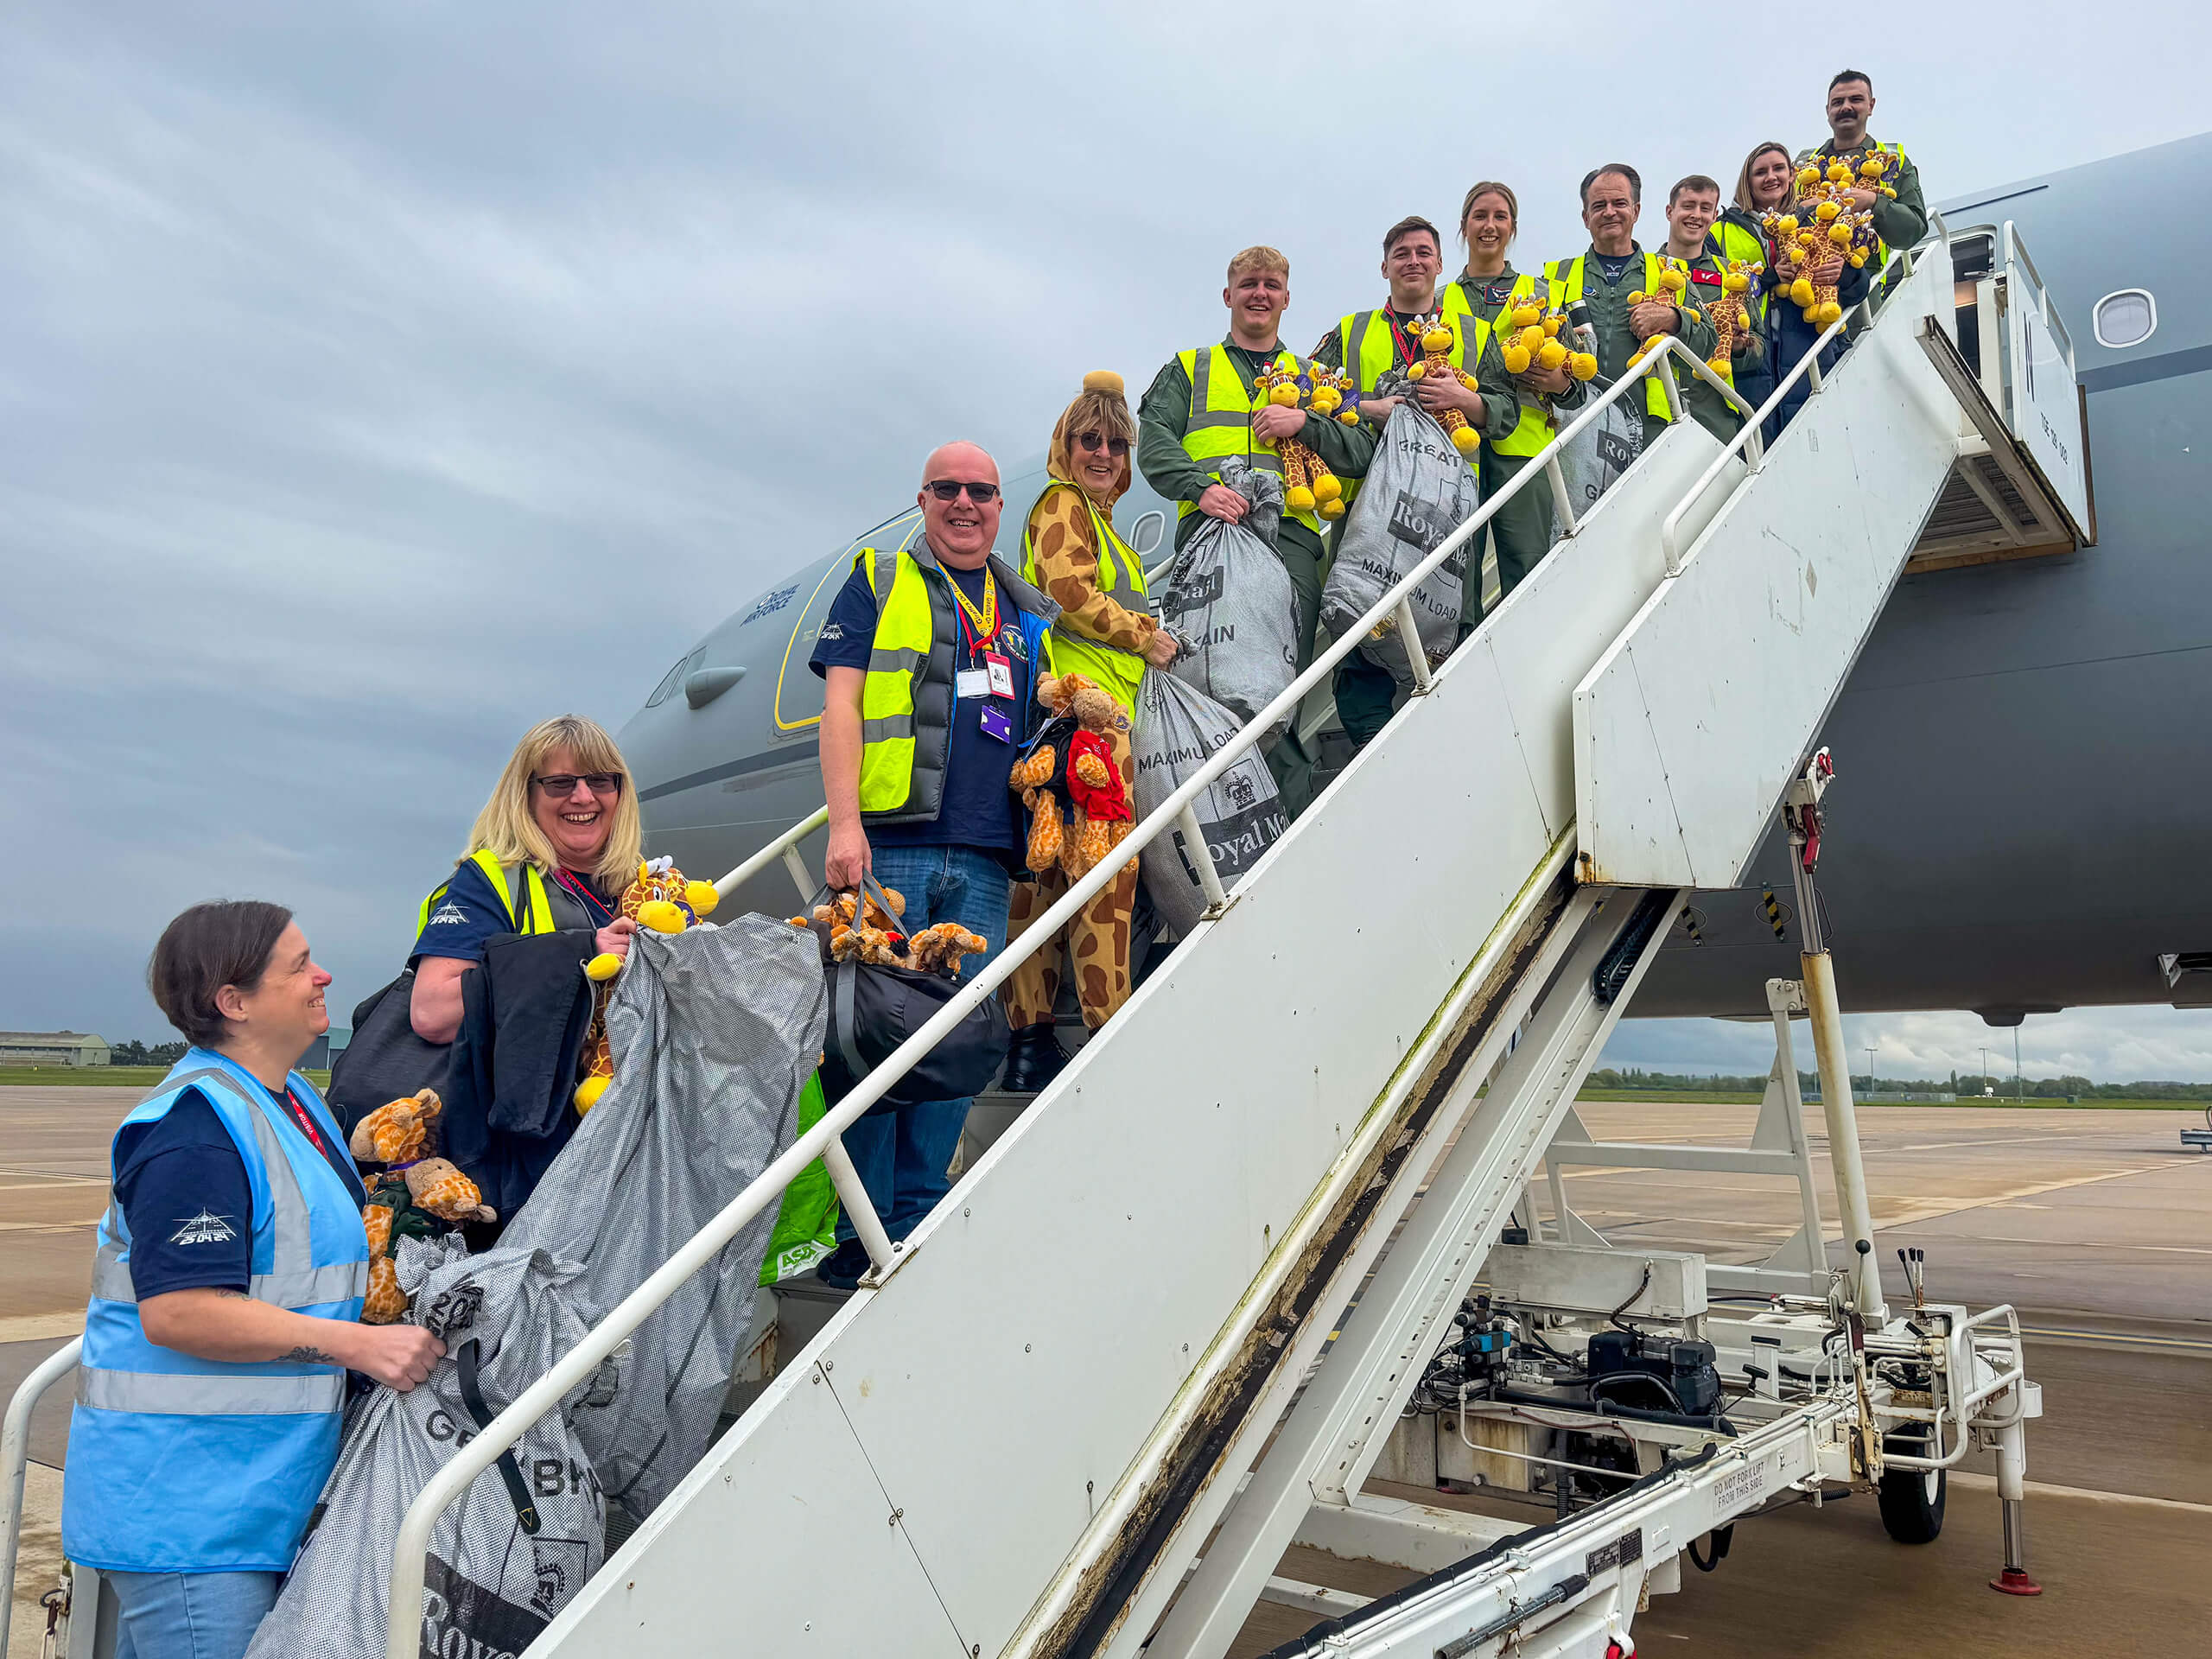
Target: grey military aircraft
[2023,768]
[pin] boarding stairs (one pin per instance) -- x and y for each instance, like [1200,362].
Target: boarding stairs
[1124,1334]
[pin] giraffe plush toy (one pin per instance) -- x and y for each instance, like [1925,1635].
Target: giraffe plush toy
[659,898]
[1436,337]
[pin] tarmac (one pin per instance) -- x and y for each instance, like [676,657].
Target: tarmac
[2095,1224]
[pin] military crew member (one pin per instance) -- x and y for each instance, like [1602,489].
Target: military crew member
[1900,221]
[1371,344]
[1764,184]
[1521,530]
[1692,206]
[1613,267]
[1201,409]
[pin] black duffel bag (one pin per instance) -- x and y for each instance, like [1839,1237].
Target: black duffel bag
[385,1060]
[874,1008]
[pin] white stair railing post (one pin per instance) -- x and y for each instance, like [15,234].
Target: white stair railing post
[852,1192]
[1410,637]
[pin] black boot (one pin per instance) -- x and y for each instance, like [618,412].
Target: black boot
[1033,1060]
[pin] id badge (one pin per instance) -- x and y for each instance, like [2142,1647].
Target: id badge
[1000,673]
[972,682]
[997,723]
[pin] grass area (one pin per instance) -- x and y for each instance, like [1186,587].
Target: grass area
[1710,1098]
[104,1076]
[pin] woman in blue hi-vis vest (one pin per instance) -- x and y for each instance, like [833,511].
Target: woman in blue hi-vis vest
[225,1305]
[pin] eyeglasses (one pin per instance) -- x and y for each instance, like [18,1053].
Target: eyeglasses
[946,489]
[562,785]
[1093,441]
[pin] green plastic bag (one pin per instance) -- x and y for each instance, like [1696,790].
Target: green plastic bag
[806,1227]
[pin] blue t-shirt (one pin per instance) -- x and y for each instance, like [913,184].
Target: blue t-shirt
[187,1200]
[979,810]
[473,910]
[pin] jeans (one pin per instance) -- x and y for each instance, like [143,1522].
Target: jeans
[190,1615]
[901,1154]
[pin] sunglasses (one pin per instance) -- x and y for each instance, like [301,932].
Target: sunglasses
[1093,441]
[946,489]
[562,785]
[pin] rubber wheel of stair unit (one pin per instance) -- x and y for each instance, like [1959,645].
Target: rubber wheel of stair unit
[1912,1499]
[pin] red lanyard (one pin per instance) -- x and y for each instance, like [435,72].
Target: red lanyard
[307,1123]
[590,900]
[1407,354]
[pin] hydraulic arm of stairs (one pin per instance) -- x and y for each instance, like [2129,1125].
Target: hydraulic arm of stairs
[1016,1440]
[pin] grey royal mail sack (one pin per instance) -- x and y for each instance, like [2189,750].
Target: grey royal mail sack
[1593,461]
[715,1031]
[1230,601]
[1419,490]
[492,1586]
[1239,814]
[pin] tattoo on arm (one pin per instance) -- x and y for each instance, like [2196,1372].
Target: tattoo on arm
[232,1296]
[306,1356]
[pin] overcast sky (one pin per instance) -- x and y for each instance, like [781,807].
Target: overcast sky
[379,380]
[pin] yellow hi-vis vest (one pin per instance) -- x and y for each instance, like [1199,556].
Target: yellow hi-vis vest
[1221,419]
[529,911]
[1370,352]
[907,695]
[1118,671]
[1735,242]
[1565,278]
[1532,432]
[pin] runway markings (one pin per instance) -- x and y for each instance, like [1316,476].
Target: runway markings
[1952,1206]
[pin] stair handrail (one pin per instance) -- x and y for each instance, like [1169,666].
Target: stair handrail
[412,1546]
[1750,441]
[15,1459]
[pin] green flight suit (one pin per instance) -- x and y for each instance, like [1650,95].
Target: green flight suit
[1163,416]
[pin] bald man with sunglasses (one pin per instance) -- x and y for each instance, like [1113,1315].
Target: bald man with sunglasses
[929,656]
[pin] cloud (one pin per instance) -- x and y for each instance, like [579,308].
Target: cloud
[383,378]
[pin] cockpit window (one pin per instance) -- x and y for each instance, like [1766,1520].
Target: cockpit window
[674,678]
[2126,318]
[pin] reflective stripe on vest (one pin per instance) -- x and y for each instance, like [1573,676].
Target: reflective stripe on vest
[171,1394]
[893,726]
[537,912]
[1735,242]
[1568,289]
[1220,421]
[179,1463]
[1533,430]
[1116,670]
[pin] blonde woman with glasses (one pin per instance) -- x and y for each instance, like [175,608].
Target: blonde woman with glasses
[553,849]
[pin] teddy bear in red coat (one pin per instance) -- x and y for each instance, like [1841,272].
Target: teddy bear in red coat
[1078,805]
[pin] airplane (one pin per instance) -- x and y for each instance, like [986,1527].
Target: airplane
[2020,749]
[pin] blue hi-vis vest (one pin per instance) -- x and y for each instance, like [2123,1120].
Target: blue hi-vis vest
[180,1465]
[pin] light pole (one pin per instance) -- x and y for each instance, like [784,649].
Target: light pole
[1984,1066]
[1870,1067]
[2019,1089]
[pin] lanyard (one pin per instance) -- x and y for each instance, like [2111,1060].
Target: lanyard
[300,1117]
[1407,354]
[592,902]
[981,624]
